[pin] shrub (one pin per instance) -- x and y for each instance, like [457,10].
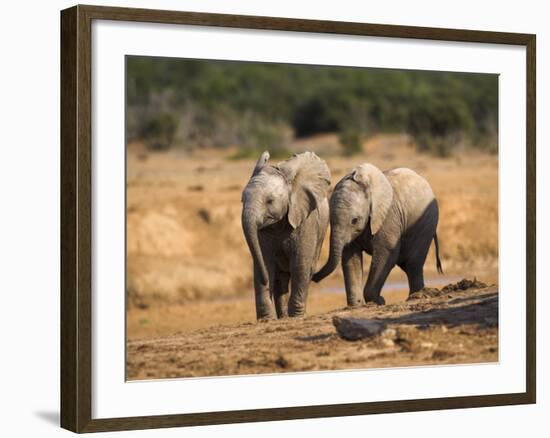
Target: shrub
[255,105]
[314,116]
[159,132]
[438,145]
[350,139]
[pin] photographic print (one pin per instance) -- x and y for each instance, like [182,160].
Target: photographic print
[295,218]
[338,215]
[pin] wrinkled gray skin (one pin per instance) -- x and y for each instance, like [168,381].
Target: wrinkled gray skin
[285,218]
[393,217]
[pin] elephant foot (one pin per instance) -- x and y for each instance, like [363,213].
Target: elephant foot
[282,312]
[266,318]
[379,300]
[355,303]
[265,315]
[296,308]
[296,313]
[265,310]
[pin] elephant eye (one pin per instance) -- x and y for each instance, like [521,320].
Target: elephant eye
[269,201]
[354,220]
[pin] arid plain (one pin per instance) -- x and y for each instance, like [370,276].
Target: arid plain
[189,279]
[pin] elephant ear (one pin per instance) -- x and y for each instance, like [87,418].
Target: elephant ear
[309,179]
[262,161]
[378,189]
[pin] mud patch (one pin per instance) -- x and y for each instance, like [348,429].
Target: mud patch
[462,285]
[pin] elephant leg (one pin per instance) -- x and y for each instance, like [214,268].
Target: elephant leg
[416,253]
[280,293]
[300,275]
[415,275]
[383,261]
[352,266]
[264,304]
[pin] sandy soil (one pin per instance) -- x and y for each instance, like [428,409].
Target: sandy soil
[174,318]
[190,308]
[435,326]
[184,236]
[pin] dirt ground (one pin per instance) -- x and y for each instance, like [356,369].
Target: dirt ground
[173,318]
[189,269]
[184,236]
[435,326]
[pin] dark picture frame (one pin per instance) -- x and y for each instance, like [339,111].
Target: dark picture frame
[76,218]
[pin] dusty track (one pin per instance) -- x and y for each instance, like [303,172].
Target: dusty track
[434,327]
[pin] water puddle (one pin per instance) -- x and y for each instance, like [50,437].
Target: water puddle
[394,286]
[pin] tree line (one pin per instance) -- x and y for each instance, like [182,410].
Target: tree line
[192,103]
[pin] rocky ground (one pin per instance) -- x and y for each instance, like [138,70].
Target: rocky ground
[456,324]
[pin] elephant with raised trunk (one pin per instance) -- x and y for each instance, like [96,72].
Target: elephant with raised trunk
[285,218]
[390,215]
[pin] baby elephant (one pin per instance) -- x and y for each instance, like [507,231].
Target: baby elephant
[285,218]
[392,216]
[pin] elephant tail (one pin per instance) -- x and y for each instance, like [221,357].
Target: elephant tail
[438,260]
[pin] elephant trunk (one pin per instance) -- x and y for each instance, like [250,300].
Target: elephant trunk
[251,228]
[334,258]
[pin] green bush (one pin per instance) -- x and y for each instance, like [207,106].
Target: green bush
[254,105]
[350,140]
[255,136]
[159,132]
[438,145]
